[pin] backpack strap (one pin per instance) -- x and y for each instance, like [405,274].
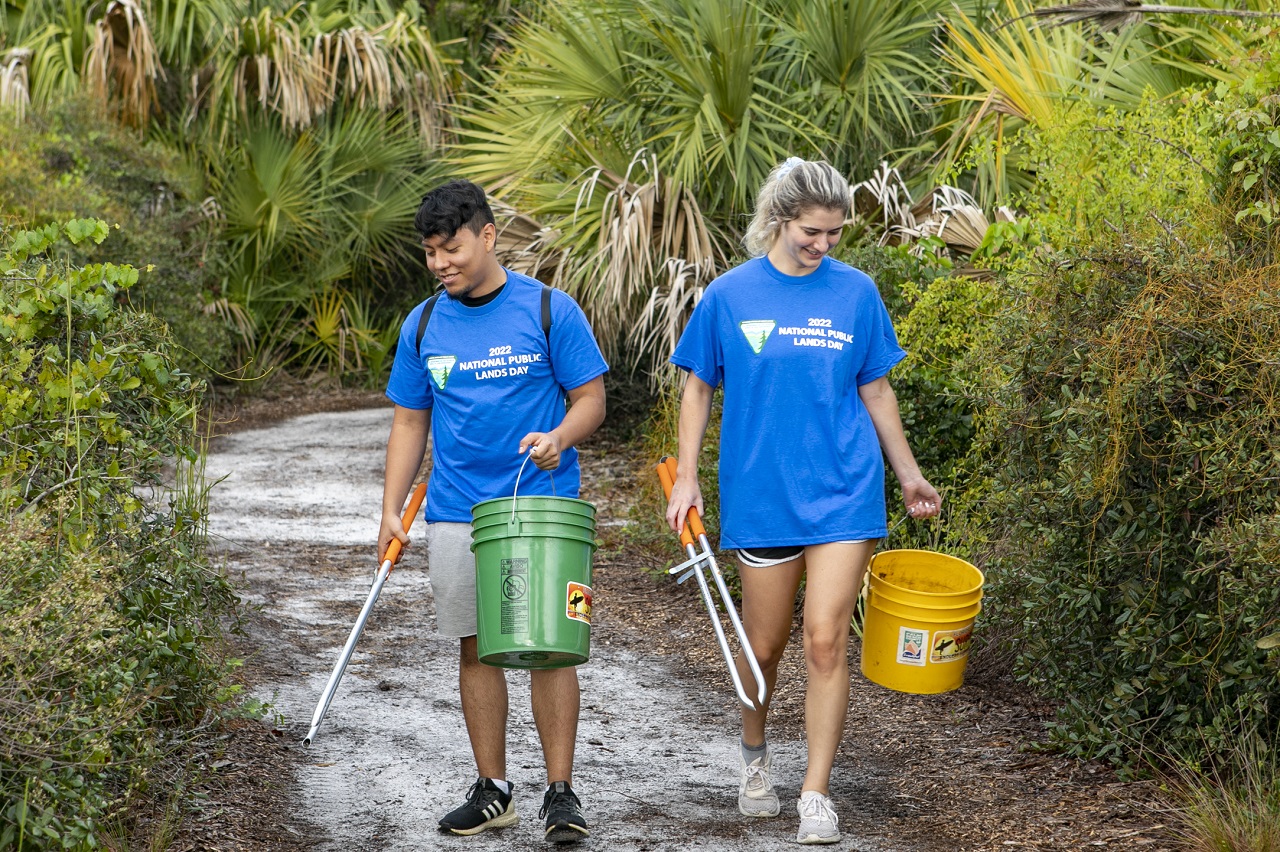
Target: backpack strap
[422,321]
[431,304]
[546,316]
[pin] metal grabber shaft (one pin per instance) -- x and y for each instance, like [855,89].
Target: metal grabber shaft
[391,557]
[700,563]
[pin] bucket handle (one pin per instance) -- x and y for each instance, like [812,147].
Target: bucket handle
[516,491]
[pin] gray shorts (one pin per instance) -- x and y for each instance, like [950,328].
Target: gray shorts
[452,568]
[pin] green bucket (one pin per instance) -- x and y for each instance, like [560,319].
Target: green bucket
[533,581]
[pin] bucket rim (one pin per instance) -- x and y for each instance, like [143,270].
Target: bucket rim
[505,502]
[872,579]
[967,614]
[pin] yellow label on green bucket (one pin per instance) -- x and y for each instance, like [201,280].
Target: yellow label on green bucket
[579,603]
[911,645]
[951,646]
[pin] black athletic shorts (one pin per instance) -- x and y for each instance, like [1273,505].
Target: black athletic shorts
[763,557]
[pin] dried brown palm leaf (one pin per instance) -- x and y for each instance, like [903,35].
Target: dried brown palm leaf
[653,240]
[954,217]
[277,71]
[15,89]
[1109,15]
[418,76]
[524,244]
[354,65]
[235,315]
[884,195]
[948,213]
[122,60]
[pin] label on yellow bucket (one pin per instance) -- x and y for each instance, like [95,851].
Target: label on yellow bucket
[578,600]
[911,645]
[951,646]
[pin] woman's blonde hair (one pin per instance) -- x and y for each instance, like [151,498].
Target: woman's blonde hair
[793,188]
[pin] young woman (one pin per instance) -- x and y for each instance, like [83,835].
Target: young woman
[803,345]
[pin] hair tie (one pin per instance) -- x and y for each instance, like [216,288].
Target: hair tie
[787,165]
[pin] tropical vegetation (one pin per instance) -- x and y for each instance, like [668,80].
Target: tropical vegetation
[1070,212]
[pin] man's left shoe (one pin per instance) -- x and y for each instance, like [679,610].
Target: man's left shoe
[565,823]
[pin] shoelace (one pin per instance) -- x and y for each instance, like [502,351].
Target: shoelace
[817,807]
[757,776]
[477,795]
[550,804]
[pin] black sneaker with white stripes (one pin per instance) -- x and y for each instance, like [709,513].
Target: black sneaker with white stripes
[486,807]
[565,823]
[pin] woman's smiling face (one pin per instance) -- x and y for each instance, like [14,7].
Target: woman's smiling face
[804,241]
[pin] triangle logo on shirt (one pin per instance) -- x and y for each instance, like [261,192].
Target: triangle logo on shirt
[440,366]
[757,332]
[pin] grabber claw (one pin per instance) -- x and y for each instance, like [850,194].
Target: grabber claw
[700,564]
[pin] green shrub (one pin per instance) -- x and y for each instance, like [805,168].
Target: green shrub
[71,162]
[1124,482]
[1130,494]
[109,642]
[1243,119]
[939,318]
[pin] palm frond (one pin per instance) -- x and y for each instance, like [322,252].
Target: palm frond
[1109,15]
[261,60]
[57,54]
[420,81]
[1016,76]
[15,93]
[122,60]
[864,64]
[884,195]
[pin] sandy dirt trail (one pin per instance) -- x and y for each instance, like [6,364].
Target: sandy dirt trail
[294,516]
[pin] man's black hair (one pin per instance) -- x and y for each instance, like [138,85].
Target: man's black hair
[447,208]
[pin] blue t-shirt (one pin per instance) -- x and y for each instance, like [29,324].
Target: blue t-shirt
[489,380]
[800,462]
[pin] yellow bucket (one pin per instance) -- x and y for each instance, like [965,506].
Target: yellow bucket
[920,609]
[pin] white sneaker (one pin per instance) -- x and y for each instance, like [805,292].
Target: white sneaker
[818,820]
[755,794]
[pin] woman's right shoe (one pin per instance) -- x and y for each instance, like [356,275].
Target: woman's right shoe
[755,794]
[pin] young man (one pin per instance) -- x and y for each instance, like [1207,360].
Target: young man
[498,354]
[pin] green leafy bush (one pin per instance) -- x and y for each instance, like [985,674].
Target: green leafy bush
[1132,482]
[108,646]
[1125,479]
[71,162]
[938,319]
[1243,117]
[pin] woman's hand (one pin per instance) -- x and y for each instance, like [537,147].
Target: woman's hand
[685,494]
[921,499]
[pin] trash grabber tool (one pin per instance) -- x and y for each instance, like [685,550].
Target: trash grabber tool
[390,558]
[700,563]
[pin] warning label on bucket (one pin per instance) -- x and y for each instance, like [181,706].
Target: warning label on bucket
[911,645]
[578,602]
[951,646]
[514,574]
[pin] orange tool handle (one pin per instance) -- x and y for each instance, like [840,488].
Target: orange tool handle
[410,512]
[693,524]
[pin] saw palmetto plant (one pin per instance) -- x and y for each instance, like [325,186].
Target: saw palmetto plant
[225,59]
